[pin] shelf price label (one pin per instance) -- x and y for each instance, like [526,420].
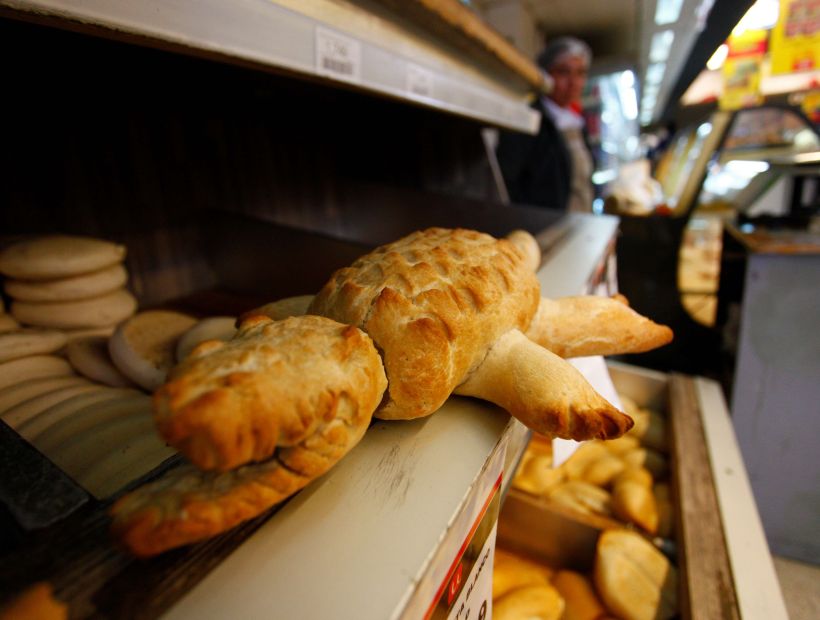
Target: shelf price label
[338,56]
[419,82]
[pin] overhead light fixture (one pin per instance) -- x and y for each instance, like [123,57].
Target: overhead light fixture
[667,11]
[718,58]
[661,45]
[762,15]
[746,168]
[654,72]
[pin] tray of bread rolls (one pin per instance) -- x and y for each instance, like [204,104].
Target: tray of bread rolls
[627,528]
[173,435]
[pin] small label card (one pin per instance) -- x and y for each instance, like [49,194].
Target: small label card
[338,56]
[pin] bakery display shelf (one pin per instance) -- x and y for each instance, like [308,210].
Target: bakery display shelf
[366,45]
[724,564]
[373,538]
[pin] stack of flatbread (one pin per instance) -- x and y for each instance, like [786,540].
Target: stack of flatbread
[59,388]
[67,282]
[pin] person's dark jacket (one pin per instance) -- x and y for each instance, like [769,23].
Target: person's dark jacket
[537,169]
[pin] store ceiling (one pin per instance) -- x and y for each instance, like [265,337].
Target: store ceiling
[621,33]
[610,27]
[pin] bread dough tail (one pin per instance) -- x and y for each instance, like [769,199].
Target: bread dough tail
[593,325]
[543,391]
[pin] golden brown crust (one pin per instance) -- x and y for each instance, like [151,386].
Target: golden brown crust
[543,391]
[591,325]
[36,602]
[433,302]
[273,384]
[187,505]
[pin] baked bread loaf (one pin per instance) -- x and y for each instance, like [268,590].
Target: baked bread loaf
[433,302]
[447,309]
[273,384]
[252,398]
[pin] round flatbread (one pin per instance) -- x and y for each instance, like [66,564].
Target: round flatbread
[30,341]
[28,409]
[144,346]
[16,394]
[83,286]
[58,256]
[90,357]
[212,328]
[73,334]
[43,421]
[8,323]
[84,422]
[33,367]
[108,309]
[126,465]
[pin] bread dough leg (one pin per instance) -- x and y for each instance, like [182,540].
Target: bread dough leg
[543,391]
[592,325]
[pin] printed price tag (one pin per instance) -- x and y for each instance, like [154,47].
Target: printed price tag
[419,82]
[338,56]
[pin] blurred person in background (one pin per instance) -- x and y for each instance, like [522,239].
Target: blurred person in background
[554,167]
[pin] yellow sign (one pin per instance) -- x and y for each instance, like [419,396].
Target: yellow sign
[795,44]
[741,70]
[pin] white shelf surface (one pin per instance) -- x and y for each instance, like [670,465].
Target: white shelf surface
[366,49]
[359,542]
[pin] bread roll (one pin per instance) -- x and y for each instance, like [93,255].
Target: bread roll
[581,600]
[634,579]
[635,503]
[603,470]
[587,453]
[652,460]
[511,571]
[537,601]
[537,475]
[583,497]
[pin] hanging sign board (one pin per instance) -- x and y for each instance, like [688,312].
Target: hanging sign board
[741,70]
[795,44]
